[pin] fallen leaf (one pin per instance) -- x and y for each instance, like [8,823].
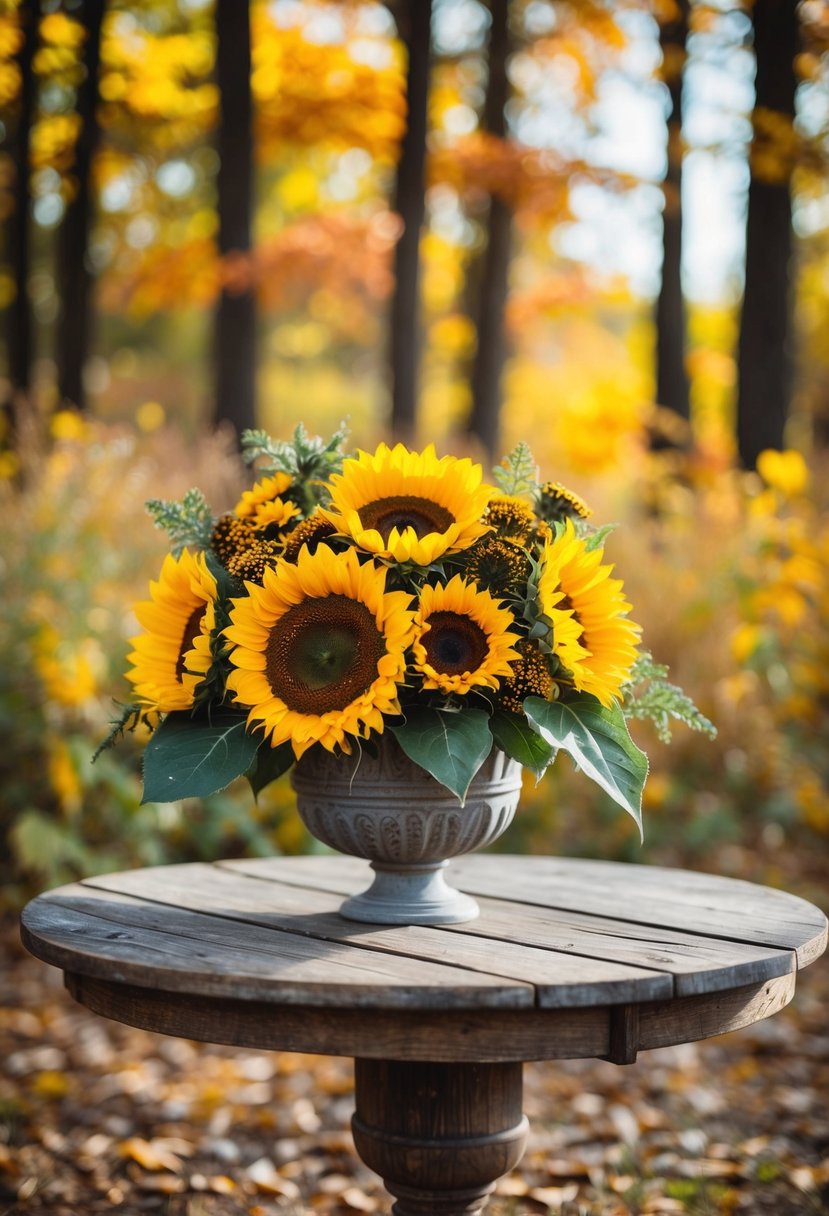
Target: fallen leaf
[165,1184]
[265,1177]
[554,1196]
[359,1200]
[150,1154]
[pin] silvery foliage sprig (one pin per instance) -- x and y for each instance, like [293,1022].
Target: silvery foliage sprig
[308,460]
[188,523]
[648,694]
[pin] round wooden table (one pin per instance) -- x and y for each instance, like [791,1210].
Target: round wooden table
[568,959]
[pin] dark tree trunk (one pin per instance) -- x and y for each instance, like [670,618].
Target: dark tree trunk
[235,345]
[491,347]
[764,359]
[671,375]
[19,324]
[74,274]
[415,23]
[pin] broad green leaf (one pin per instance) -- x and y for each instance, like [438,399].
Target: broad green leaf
[450,746]
[517,738]
[192,757]
[597,739]
[270,763]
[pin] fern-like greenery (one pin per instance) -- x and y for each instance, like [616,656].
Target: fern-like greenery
[650,695]
[188,523]
[517,473]
[308,460]
[303,457]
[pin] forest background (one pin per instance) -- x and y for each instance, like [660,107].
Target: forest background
[601,228]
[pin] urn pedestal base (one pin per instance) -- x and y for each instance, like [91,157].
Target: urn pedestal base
[416,894]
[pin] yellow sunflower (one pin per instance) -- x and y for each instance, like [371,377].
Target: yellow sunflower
[267,490]
[172,656]
[274,514]
[463,639]
[592,634]
[409,506]
[319,649]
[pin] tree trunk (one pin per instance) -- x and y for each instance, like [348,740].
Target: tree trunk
[671,375]
[19,324]
[74,273]
[409,202]
[235,345]
[490,353]
[764,359]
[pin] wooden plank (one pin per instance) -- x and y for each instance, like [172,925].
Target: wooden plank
[451,1035]
[699,1017]
[651,896]
[109,935]
[697,962]
[727,908]
[561,979]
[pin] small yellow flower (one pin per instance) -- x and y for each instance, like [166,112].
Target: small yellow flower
[409,506]
[265,491]
[463,638]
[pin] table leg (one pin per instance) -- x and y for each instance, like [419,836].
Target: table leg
[439,1135]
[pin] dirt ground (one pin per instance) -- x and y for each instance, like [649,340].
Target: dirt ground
[98,1117]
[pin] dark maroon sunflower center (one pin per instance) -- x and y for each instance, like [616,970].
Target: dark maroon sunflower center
[323,653]
[403,511]
[454,644]
[191,631]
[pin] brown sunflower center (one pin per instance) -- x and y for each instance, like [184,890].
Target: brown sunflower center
[454,644]
[323,653]
[191,632]
[403,511]
[565,604]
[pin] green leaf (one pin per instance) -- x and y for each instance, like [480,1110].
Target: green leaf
[192,757]
[270,763]
[516,737]
[451,746]
[597,739]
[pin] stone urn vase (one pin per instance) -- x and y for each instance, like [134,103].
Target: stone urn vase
[387,809]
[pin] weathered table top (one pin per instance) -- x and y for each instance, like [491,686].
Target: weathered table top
[568,958]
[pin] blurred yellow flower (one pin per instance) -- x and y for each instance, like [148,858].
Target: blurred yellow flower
[784,471]
[68,424]
[149,416]
[69,673]
[745,641]
[63,776]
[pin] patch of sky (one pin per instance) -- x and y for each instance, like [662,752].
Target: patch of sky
[459,27]
[175,178]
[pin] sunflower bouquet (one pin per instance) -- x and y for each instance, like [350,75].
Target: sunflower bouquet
[344,597]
